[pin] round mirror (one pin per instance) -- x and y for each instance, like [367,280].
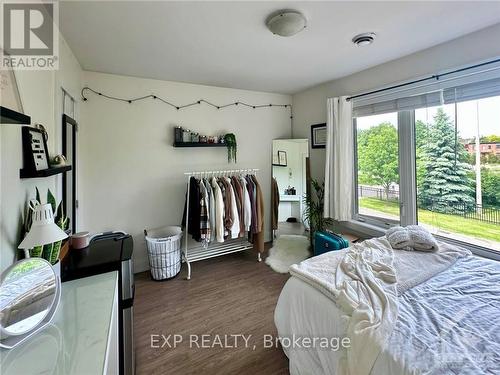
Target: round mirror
[27,293]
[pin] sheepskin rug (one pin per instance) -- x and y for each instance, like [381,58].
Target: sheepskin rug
[288,250]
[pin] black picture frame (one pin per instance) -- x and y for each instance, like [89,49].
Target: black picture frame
[29,155]
[11,110]
[314,135]
[9,116]
[69,150]
[282,156]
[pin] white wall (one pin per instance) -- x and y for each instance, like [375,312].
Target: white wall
[131,178]
[309,107]
[40,93]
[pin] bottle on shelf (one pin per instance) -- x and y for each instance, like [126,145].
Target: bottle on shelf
[186,135]
[178,136]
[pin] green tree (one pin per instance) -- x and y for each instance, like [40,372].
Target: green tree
[421,135]
[490,138]
[490,159]
[490,186]
[444,182]
[378,156]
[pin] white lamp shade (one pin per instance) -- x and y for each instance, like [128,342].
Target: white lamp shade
[43,230]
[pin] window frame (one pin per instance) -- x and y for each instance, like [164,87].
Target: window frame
[408,213]
[363,218]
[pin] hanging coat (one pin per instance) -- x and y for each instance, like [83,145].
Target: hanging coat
[193,210]
[258,239]
[253,204]
[204,214]
[238,191]
[275,203]
[211,209]
[247,211]
[219,211]
[228,213]
[235,225]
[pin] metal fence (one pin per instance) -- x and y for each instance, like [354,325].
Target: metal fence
[379,193]
[466,210]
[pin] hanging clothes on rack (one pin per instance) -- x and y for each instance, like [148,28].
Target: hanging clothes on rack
[226,196]
[219,210]
[247,211]
[253,203]
[204,214]
[193,224]
[238,191]
[235,224]
[211,209]
[226,207]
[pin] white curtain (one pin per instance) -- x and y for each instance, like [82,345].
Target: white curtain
[339,160]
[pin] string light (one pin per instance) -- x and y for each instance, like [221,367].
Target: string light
[179,107]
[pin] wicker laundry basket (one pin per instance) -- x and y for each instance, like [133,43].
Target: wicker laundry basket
[164,251]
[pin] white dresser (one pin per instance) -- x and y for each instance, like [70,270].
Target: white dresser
[82,338]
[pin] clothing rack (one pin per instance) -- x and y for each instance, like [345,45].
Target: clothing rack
[215,249]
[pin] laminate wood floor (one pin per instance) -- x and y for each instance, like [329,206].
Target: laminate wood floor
[229,295]
[291,228]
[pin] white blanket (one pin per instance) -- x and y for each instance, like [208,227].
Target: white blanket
[444,325]
[364,280]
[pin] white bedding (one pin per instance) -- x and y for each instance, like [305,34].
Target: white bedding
[449,324]
[361,280]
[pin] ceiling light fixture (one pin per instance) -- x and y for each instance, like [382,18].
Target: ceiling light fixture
[364,39]
[286,22]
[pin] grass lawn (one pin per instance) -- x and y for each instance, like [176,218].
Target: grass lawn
[449,223]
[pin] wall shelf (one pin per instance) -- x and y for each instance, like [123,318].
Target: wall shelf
[9,116]
[24,173]
[198,144]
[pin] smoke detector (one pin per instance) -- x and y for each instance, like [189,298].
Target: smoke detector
[286,22]
[364,39]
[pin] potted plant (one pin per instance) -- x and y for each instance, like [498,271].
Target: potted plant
[49,252]
[313,211]
[230,141]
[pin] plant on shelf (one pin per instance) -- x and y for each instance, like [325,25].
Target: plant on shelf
[49,252]
[313,211]
[230,141]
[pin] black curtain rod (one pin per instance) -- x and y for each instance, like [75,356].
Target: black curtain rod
[435,76]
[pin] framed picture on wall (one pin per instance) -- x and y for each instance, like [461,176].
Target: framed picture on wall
[318,136]
[35,154]
[9,91]
[282,158]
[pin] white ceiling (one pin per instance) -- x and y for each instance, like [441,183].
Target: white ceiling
[227,43]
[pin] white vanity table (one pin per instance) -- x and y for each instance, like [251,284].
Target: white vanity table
[82,338]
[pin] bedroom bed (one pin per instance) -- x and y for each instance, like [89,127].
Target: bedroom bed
[447,324]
